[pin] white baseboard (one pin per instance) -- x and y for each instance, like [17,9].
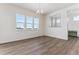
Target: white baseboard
[56,37]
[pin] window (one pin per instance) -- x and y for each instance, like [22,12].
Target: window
[76,18]
[36,23]
[20,21]
[55,22]
[29,22]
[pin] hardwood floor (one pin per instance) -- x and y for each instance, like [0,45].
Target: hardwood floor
[41,46]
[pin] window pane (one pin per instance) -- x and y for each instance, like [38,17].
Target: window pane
[29,25]
[20,25]
[36,22]
[29,22]
[55,22]
[58,21]
[76,18]
[20,19]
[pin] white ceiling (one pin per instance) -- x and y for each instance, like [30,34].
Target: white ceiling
[46,7]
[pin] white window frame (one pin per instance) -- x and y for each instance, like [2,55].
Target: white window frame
[25,19]
[26,23]
[54,22]
[38,23]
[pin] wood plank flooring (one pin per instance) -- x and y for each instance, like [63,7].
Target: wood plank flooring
[41,46]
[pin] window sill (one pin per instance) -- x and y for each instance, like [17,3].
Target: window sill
[36,29]
[20,29]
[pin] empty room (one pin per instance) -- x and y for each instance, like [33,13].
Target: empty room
[39,28]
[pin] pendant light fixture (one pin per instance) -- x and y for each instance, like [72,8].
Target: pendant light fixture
[39,10]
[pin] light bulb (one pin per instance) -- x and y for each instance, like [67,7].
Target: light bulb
[41,11]
[37,11]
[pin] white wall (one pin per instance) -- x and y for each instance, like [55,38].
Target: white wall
[7,24]
[8,30]
[57,32]
[73,25]
[66,22]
